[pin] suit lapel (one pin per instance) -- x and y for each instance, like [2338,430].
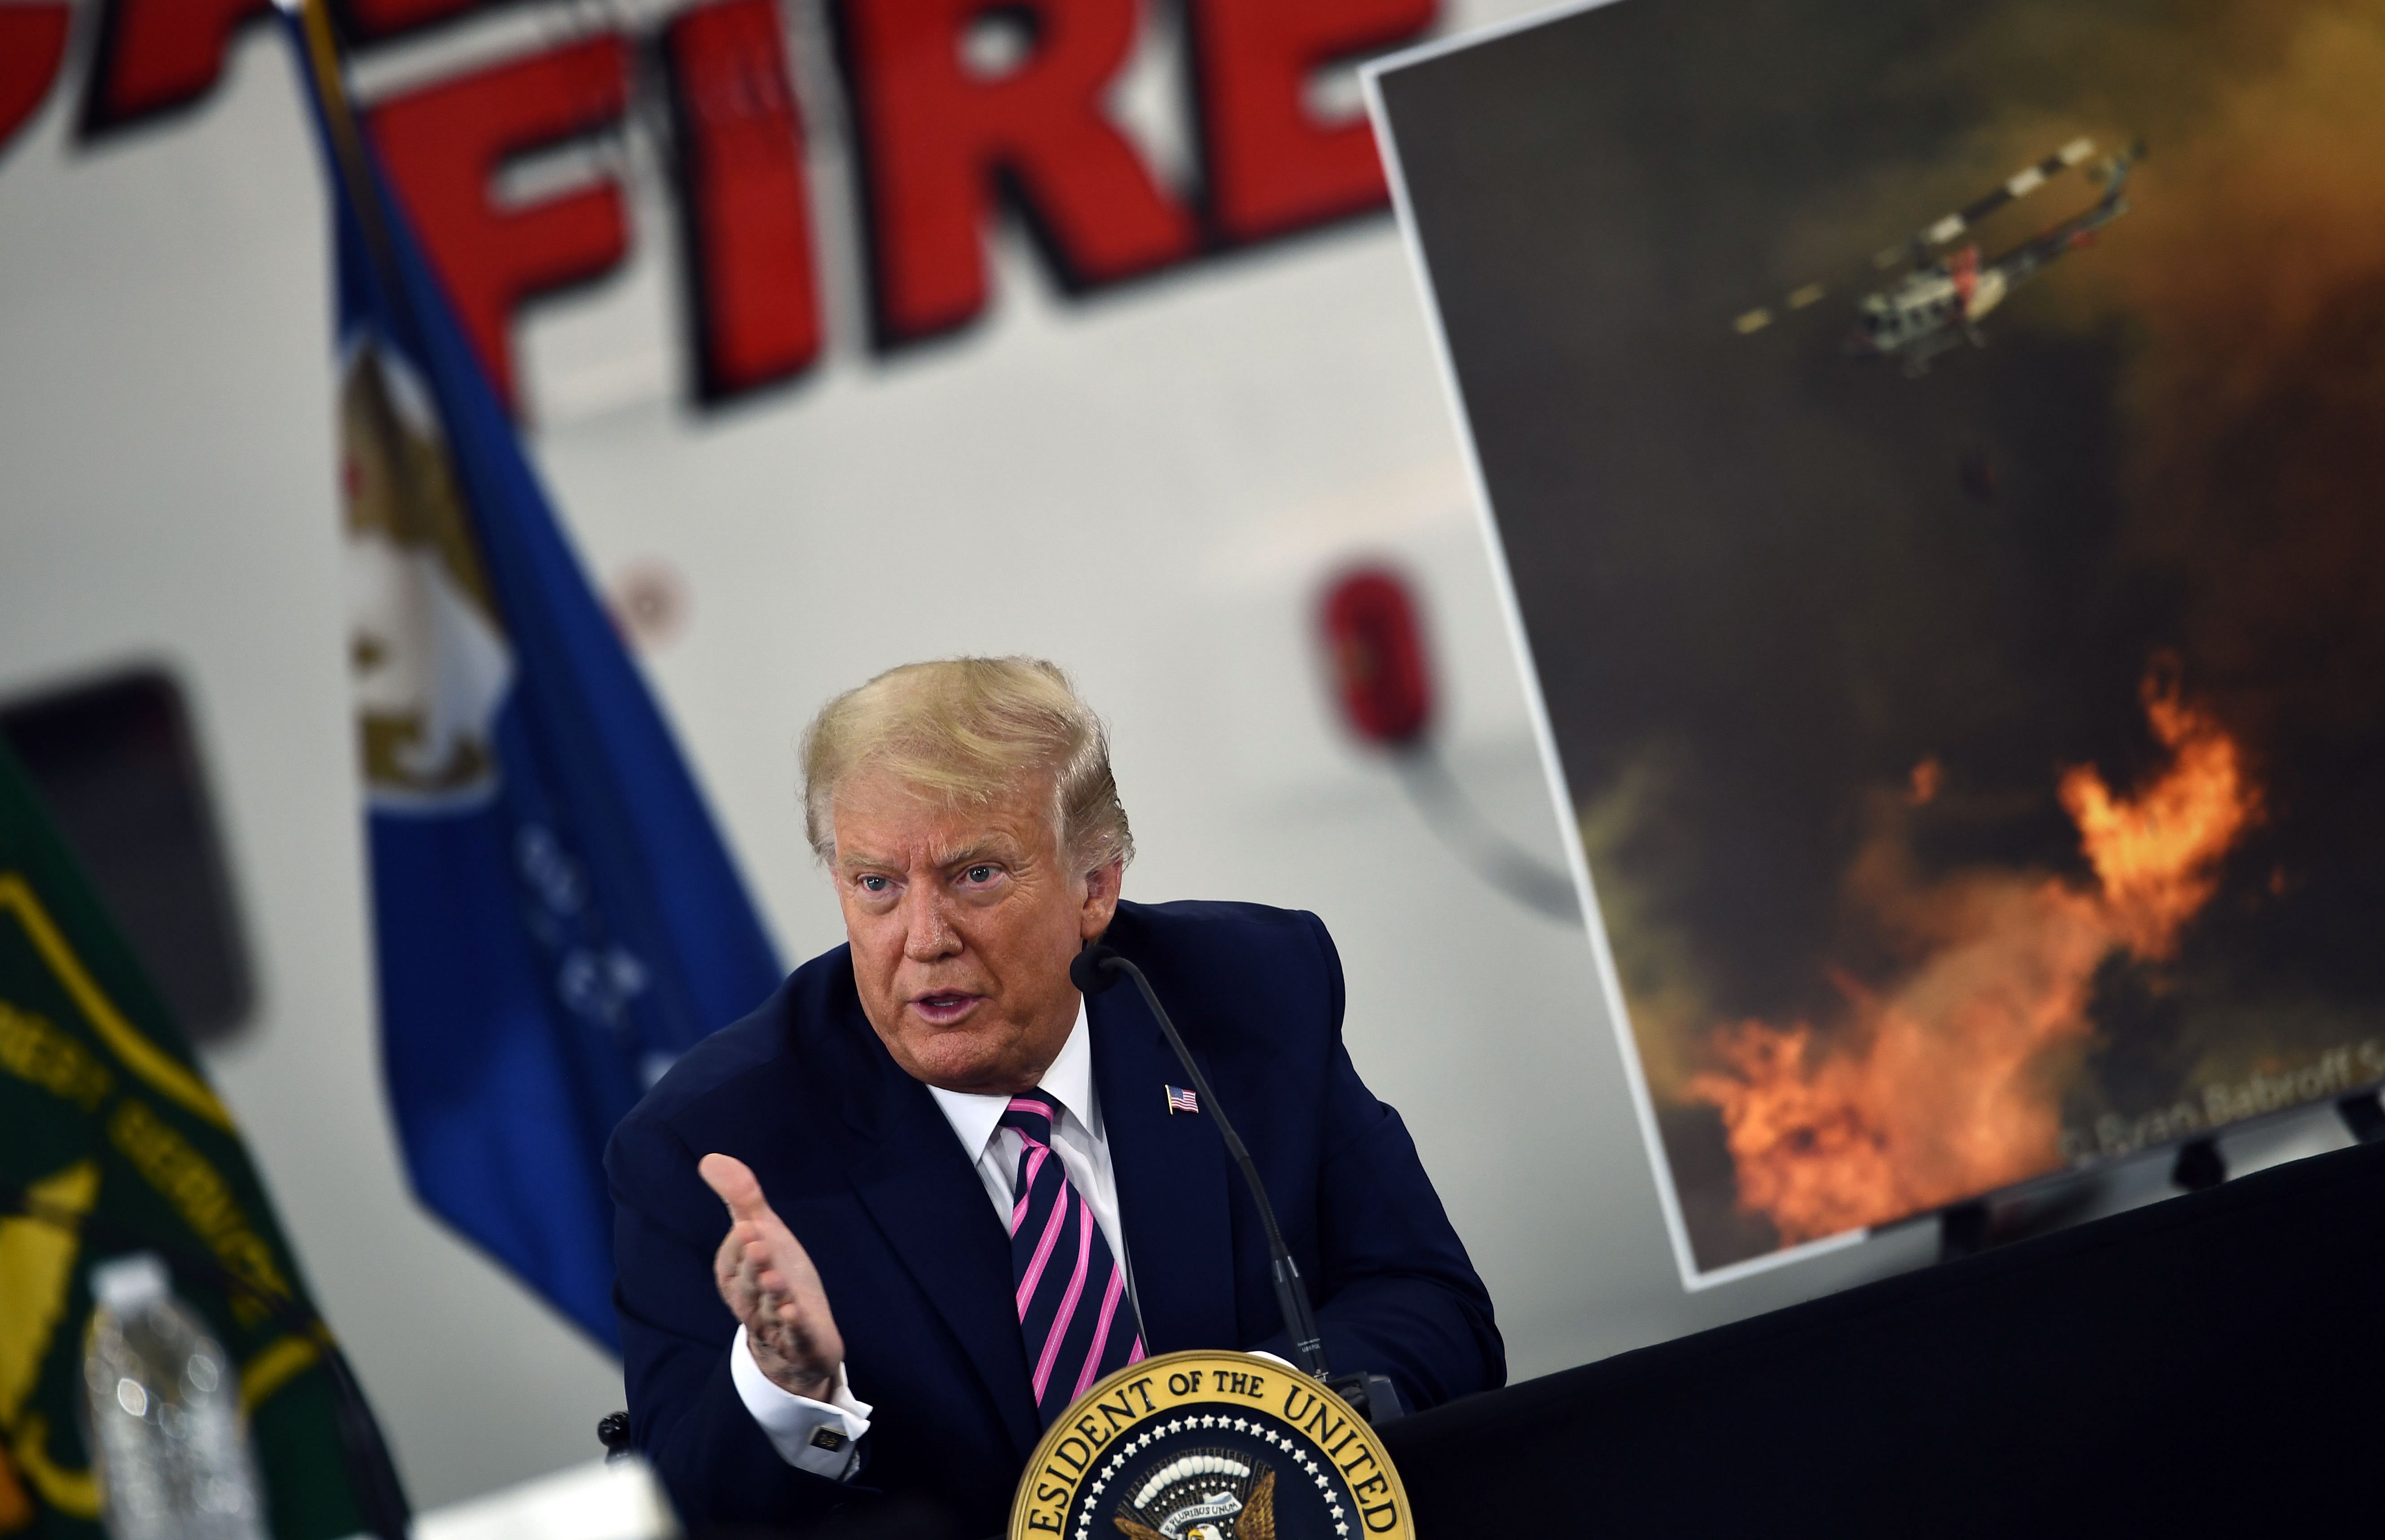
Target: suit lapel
[926,1201]
[1172,1179]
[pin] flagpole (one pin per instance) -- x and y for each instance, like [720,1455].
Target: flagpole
[320,45]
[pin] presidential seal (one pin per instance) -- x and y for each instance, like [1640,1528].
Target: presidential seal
[1209,1446]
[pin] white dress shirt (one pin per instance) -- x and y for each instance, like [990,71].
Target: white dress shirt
[819,1437]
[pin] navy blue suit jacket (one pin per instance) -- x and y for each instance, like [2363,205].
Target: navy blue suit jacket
[858,1159]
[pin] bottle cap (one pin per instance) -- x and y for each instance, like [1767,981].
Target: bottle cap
[130,1283]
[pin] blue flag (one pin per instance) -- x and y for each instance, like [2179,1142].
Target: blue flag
[554,916]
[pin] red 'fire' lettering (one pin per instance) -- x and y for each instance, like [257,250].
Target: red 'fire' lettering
[942,139]
[743,202]
[1270,166]
[155,55]
[441,147]
[937,141]
[32,40]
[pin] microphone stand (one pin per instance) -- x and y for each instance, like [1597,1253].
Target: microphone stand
[1096,967]
[364,1452]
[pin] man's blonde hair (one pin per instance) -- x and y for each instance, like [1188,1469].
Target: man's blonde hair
[968,730]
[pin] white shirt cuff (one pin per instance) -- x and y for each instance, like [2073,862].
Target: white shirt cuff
[822,1437]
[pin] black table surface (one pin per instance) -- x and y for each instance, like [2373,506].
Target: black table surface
[2212,1363]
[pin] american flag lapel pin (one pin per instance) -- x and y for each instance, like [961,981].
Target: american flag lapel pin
[1182,1100]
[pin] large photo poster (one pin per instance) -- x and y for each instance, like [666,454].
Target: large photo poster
[1935,445]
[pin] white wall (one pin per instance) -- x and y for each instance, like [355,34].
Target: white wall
[1149,486]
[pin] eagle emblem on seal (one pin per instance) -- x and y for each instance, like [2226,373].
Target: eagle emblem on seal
[1202,1494]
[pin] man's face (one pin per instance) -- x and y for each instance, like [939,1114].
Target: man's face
[963,923]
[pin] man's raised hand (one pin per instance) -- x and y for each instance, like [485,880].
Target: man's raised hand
[770,1285]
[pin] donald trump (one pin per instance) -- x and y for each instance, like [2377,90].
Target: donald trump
[876,1235]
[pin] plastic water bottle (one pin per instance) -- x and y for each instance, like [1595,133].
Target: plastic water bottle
[166,1435]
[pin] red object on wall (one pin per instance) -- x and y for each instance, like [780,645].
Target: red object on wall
[938,140]
[743,206]
[1379,662]
[155,55]
[32,40]
[441,147]
[1270,166]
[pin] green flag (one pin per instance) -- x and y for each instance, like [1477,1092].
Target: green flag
[107,1121]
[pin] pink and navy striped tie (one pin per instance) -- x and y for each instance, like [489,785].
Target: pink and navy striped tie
[1072,1307]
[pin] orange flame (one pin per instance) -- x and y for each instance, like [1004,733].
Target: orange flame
[1927,778]
[2157,857]
[1943,1086]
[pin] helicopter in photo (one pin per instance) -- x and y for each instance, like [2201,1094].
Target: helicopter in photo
[1943,293]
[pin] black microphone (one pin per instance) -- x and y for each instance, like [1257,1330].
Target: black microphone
[1094,969]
